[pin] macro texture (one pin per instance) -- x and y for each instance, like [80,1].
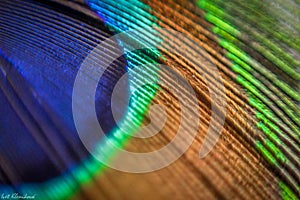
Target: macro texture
[225,73]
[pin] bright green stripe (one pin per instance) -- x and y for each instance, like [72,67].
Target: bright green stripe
[265,153]
[240,55]
[261,107]
[234,50]
[250,87]
[218,22]
[224,34]
[279,34]
[282,97]
[253,101]
[238,61]
[266,111]
[236,68]
[276,152]
[268,54]
[287,110]
[243,65]
[286,192]
[261,125]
